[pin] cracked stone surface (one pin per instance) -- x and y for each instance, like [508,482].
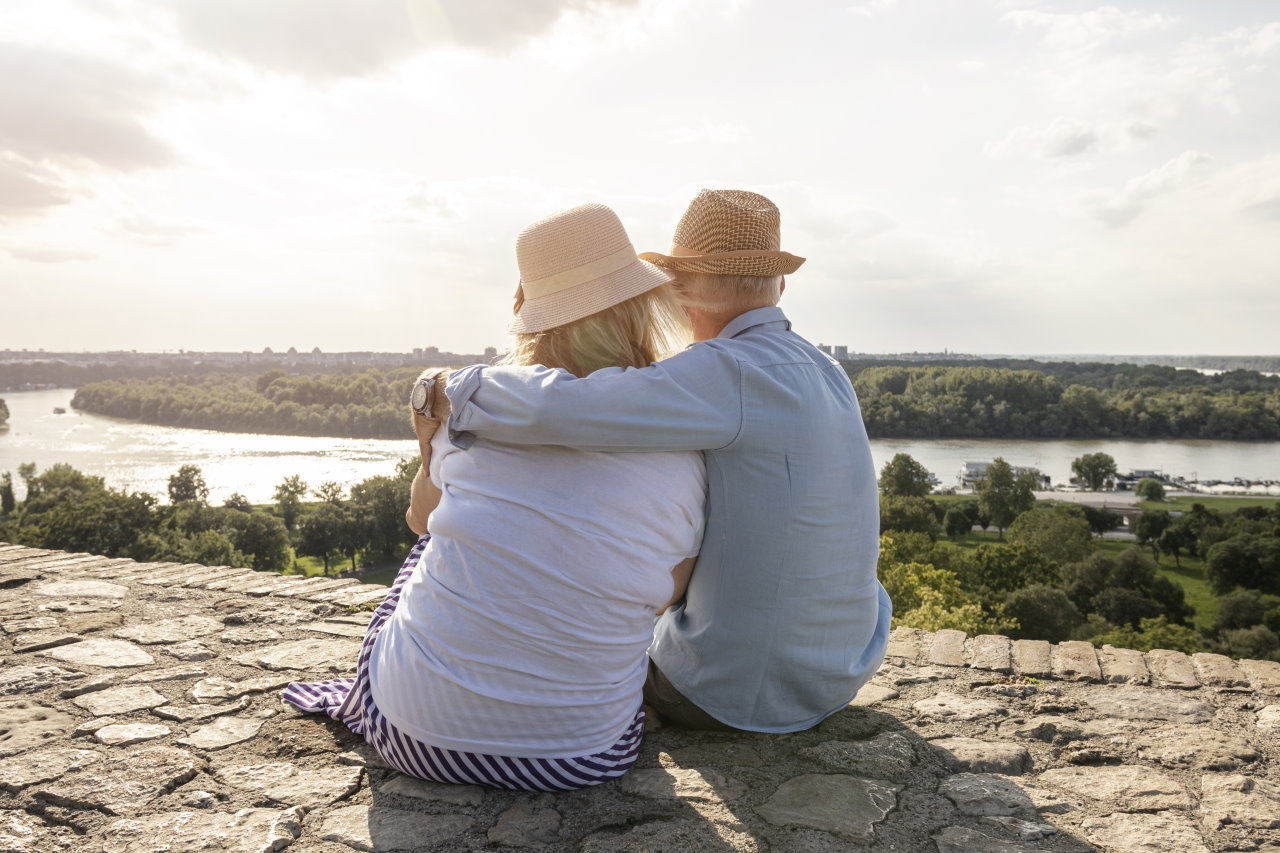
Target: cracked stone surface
[981,745]
[842,805]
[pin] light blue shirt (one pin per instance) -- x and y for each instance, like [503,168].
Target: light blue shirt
[784,618]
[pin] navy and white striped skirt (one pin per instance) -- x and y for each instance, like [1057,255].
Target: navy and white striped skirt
[349,700]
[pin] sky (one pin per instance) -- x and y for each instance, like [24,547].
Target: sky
[987,176]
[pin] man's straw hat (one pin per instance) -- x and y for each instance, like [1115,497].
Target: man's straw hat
[574,264]
[728,232]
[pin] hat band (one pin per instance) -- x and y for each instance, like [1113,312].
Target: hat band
[678,251]
[578,275]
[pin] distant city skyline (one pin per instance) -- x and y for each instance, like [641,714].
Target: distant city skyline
[1011,176]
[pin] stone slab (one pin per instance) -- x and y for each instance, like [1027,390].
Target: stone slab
[246,831]
[123,785]
[219,689]
[675,783]
[312,655]
[25,724]
[846,807]
[1123,666]
[284,782]
[119,700]
[991,652]
[1032,657]
[34,641]
[904,645]
[1172,669]
[32,768]
[981,756]
[1264,675]
[1218,671]
[953,706]
[169,631]
[1240,800]
[420,789]
[28,679]
[378,828]
[947,648]
[105,653]
[1140,703]
[127,734]
[982,794]
[1128,788]
[1144,833]
[223,732]
[1075,661]
[81,589]
[1197,748]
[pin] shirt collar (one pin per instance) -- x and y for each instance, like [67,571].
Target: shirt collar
[751,319]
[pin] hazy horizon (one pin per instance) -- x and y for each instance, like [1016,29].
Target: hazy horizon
[1001,176]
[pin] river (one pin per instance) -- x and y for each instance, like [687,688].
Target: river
[141,457]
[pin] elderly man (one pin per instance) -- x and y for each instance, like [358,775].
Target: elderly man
[783,619]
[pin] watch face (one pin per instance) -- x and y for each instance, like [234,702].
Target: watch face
[418,396]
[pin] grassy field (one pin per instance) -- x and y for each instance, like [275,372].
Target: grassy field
[1183,503]
[1191,576]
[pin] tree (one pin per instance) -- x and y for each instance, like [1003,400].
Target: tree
[238,502]
[908,514]
[1092,470]
[7,499]
[1101,520]
[1248,561]
[188,485]
[904,477]
[931,598]
[380,503]
[1256,643]
[322,533]
[329,492]
[1154,633]
[1149,489]
[1059,532]
[1002,496]
[1043,613]
[4,412]
[27,472]
[1149,527]
[260,537]
[289,496]
[1240,608]
[956,522]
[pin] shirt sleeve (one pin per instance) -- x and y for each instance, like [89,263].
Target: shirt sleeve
[691,401]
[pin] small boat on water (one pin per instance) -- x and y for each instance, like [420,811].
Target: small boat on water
[58,410]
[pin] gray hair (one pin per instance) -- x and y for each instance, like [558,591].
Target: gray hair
[724,293]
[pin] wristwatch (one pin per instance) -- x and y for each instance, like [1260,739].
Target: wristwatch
[423,395]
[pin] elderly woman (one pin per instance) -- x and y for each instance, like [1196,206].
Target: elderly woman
[510,651]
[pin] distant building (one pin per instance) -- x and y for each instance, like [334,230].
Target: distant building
[840,353]
[824,348]
[973,473]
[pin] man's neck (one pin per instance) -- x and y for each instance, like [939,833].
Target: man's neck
[709,324]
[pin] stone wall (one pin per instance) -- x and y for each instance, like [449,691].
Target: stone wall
[140,711]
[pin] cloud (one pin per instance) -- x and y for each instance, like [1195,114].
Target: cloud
[154,231]
[72,108]
[326,40]
[48,254]
[706,133]
[22,193]
[1063,137]
[1123,206]
[1090,30]
[871,8]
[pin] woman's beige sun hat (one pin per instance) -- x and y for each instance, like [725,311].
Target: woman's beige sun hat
[728,232]
[575,264]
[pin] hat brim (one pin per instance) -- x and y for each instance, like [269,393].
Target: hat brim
[592,297]
[728,263]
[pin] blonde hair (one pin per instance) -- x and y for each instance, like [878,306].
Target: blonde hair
[634,333]
[728,293]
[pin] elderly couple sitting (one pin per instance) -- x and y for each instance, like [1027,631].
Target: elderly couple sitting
[612,525]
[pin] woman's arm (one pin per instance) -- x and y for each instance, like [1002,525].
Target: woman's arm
[680,577]
[423,495]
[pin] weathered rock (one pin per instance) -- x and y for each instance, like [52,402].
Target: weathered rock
[959,839]
[1032,657]
[315,655]
[947,648]
[1240,800]
[904,645]
[190,651]
[527,824]
[89,685]
[979,794]
[1269,717]
[169,673]
[34,641]
[1264,675]
[119,700]
[1124,788]
[1075,661]
[168,631]
[24,833]
[716,755]
[218,689]
[248,634]
[336,629]
[197,713]
[246,831]
[377,828]
[1218,671]
[33,679]
[223,732]
[873,694]
[105,653]
[991,652]
[1123,666]
[1197,749]
[420,789]
[889,755]
[282,782]
[35,767]
[1026,830]
[1144,833]
[30,623]
[952,706]
[980,756]
[81,589]
[1172,669]
[25,724]
[123,785]
[1137,703]
[127,734]
[672,836]
[670,783]
[842,805]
